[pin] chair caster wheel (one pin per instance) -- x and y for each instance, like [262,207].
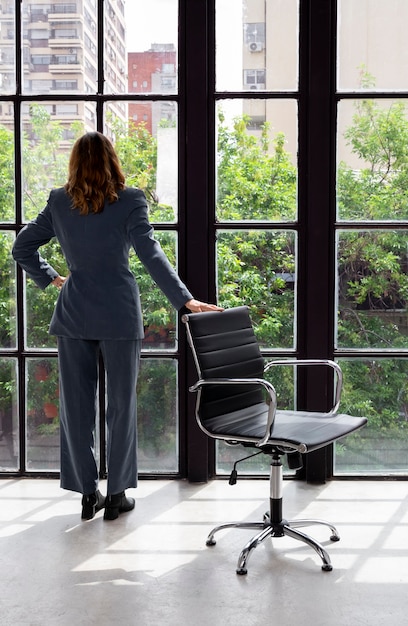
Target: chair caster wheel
[242,571]
[210,542]
[334,538]
[327,568]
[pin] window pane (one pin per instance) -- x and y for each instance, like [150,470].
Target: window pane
[152,46]
[159,317]
[258,268]
[50,129]
[157,402]
[372,154]
[372,51]
[257,36]
[43,452]
[40,303]
[146,142]
[377,389]
[256,160]
[6,162]
[115,50]
[372,289]
[7,55]
[9,430]
[283,379]
[60,47]
[8,331]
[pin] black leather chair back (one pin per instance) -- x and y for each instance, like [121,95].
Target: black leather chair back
[225,346]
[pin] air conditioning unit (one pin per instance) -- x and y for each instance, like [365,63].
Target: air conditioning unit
[257,86]
[256,46]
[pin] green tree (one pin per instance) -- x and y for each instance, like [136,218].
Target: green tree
[257,181]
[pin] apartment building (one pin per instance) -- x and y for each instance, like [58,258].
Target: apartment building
[153,71]
[59,57]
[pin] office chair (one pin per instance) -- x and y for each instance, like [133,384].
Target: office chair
[237,405]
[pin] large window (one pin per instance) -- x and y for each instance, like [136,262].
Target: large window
[46,111]
[371,331]
[270,137]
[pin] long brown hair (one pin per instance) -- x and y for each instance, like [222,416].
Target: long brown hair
[94,173]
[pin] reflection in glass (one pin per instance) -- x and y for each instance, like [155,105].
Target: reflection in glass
[147,147]
[157,402]
[7,185]
[256,160]
[9,430]
[42,414]
[372,289]
[378,390]
[8,330]
[372,154]
[7,58]
[258,268]
[257,45]
[159,316]
[372,39]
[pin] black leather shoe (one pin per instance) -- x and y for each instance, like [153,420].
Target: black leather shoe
[117,503]
[91,504]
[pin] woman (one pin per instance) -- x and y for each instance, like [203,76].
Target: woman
[96,220]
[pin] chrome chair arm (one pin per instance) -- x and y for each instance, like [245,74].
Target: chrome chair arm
[271,399]
[337,373]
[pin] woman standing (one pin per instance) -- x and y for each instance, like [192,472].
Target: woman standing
[96,220]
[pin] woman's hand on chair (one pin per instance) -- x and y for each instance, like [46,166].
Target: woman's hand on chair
[195,306]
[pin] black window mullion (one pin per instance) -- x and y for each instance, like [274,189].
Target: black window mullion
[317,214]
[199,247]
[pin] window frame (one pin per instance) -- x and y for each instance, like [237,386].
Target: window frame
[316,226]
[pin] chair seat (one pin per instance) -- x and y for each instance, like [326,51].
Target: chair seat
[312,429]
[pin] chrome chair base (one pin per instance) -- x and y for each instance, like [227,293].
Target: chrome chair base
[277,529]
[273,524]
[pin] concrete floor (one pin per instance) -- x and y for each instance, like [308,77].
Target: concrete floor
[151,566]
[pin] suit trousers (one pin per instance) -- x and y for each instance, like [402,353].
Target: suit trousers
[78,366]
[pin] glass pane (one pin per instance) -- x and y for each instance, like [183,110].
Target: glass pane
[40,303]
[372,52]
[7,39]
[257,45]
[115,50]
[258,268]
[146,143]
[60,47]
[6,162]
[43,452]
[372,156]
[372,289]
[9,430]
[152,46]
[283,379]
[256,160]
[50,129]
[160,318]
[157,403]
[8,330]
[378,390]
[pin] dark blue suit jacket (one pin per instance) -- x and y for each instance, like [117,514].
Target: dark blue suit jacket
[100,299]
